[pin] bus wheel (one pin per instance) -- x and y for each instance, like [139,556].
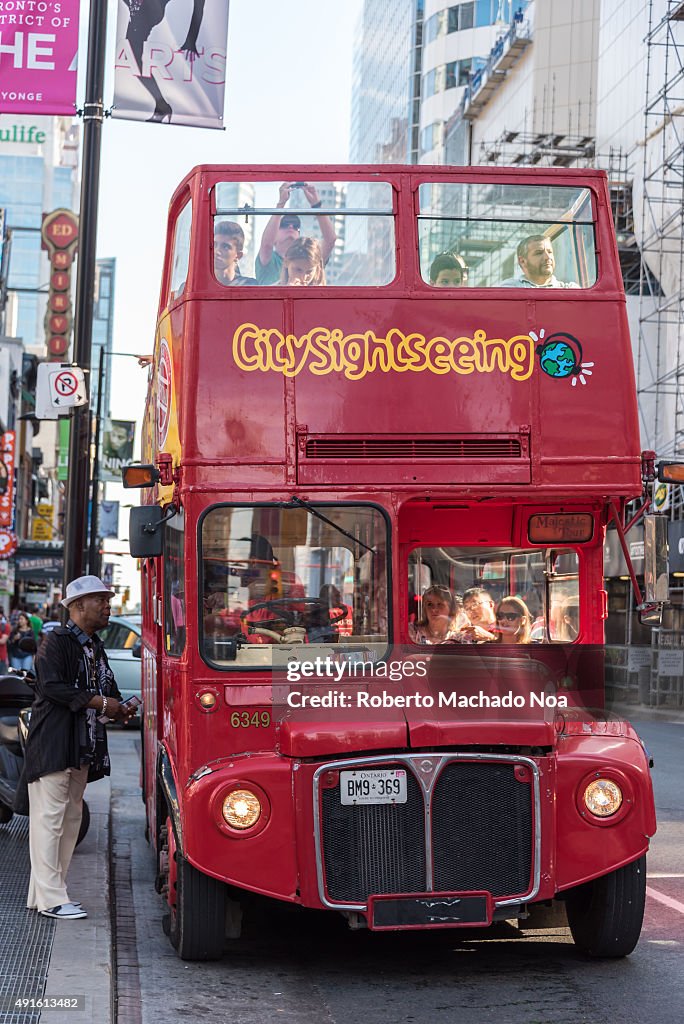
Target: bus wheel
[605,916]
[196,908]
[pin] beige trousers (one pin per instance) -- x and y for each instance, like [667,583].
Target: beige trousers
[56,803]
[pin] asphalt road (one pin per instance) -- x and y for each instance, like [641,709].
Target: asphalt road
[302,968]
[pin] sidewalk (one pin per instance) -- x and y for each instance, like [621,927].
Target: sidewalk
[81,958]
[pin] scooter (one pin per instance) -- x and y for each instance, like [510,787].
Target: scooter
[16,696]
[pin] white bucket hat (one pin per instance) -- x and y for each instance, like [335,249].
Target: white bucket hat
[82,587]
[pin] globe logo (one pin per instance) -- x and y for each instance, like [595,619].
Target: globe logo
[557,359]
[560,357]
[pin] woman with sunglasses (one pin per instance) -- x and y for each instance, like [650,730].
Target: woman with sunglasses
[441,618]
[513,621]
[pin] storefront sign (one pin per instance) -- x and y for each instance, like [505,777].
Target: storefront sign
[670,663]
[8,456]
[59,234]
[638,657]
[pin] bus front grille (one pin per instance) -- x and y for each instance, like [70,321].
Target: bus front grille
[378,848]
[482,830]
[482,834]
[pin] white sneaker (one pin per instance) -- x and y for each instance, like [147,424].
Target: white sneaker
[65,912]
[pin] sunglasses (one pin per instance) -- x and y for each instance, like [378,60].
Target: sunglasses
[289,224]
[508,616]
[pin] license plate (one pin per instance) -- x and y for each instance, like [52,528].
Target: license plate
[431,910]
[379,786]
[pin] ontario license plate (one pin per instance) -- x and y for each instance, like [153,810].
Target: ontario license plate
[378,786]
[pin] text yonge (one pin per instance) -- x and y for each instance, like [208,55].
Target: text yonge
[361,699]
[22,133]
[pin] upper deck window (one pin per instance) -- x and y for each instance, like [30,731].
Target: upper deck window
[181,251]
[275,579]
[299,233]
[485,235]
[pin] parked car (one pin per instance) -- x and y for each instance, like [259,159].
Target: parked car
[124,646]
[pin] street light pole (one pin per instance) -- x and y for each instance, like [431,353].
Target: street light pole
[79,435]
[94,554]
[94,560]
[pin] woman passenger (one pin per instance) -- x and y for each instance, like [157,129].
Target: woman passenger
[513,621]
[303,264]
[441,619]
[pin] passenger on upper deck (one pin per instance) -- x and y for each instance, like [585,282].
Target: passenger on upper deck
[537,262]
[283,229]
[303,264]
[447,271]
[229,243]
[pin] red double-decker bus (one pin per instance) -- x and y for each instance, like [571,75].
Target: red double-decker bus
[391,413]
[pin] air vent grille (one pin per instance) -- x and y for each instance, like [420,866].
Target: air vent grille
[410,448]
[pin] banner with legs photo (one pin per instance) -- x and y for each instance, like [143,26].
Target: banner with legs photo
[171,61]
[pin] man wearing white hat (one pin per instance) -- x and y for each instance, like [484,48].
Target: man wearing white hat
[66,745]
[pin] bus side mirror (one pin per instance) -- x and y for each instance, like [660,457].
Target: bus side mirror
[656,570]
[650,614]
[144,531]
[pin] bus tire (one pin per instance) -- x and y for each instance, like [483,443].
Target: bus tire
[197,926]
[605,916]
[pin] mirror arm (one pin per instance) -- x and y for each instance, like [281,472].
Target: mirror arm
[153,527]
[625,550]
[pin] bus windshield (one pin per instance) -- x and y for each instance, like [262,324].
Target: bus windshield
[516,595]
[278,577]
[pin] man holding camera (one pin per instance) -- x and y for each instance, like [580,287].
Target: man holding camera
[66,747]
[284,229]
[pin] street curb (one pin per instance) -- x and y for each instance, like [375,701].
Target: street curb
[647,714]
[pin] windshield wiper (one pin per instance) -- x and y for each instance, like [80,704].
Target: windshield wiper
[319,515]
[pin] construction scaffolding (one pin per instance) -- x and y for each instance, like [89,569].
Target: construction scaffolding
[660,359]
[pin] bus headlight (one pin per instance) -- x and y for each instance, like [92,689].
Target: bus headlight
[241,808]
[603,798]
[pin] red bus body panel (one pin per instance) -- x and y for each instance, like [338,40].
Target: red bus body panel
[238,431]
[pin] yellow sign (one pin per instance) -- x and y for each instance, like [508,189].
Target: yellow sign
[322,351]
[41,528]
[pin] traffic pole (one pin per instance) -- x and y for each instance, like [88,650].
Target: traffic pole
[78,479]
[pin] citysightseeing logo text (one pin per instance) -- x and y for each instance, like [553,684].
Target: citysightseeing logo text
[322,351]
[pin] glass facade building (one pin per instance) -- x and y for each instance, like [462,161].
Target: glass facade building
[413,62]
[38,173]
[381,82]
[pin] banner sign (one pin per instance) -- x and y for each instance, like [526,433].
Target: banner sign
[38,51]
[171,61]
[7,457]
[109,519]
[117,449]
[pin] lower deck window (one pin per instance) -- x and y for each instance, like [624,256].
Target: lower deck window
[493,595]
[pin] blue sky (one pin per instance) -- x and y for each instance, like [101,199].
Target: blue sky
[287,99]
